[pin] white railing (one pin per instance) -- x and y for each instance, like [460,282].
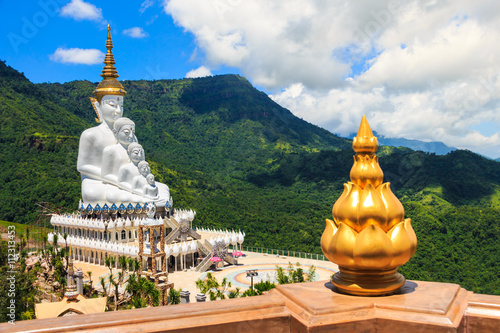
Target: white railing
[287,253]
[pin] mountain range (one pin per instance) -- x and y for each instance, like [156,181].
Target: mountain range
[243,162]
[434,147]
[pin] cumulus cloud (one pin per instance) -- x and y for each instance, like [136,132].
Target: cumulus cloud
[77,56]
[418,69]
[199,72]
[135,32]
[81,10]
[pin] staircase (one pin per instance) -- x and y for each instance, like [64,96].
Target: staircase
[230,259]
[202,247]
[208,245]
[194,234]
[204,265]
[172,236]
[204,252]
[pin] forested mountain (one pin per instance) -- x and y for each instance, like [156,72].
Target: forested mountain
[243,162]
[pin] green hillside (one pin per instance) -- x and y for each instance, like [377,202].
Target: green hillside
[243,162]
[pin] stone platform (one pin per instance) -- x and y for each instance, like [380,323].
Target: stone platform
[421,306]
[305,307]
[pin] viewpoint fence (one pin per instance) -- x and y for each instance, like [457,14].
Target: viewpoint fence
[294,254]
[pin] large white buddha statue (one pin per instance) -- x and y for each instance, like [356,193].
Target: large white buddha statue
[103,149]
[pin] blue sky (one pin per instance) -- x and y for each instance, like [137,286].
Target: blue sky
[164,51]
[418,69]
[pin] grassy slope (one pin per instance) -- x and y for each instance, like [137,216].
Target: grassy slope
[21,228]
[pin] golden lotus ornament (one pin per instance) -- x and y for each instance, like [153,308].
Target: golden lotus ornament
[369,238]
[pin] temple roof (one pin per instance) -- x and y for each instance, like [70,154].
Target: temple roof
[82,305]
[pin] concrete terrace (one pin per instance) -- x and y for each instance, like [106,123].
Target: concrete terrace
[265,264]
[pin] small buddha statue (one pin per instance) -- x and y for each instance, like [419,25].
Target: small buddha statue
[150,189]
[129,171]
[140,183]
[115,156]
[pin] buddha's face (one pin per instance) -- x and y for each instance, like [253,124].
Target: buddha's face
[144,169]
[137,155]
[150,179]
[126,135]
[111,108]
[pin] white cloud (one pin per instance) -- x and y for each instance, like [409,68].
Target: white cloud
[420,69]
[274,43]
[199,72]
[81,10]
[77,56]
[135,32]
[145,5]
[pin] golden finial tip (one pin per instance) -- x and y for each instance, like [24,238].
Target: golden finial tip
[364,128]
[365,141]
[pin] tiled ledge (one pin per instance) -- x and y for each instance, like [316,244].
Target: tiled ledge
[306,307]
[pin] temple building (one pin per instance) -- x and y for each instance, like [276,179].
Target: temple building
[123,210]
[73,302]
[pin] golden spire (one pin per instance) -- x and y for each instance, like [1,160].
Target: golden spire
[365,142]
[366,169]
[369,237]
[109,71]
[109,84]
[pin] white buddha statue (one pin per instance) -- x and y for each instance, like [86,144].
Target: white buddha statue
[140,181]
[129,171]
[150,189]
[93,141]
[115,156]
[109,154]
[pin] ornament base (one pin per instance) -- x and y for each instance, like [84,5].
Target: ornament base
[368,282]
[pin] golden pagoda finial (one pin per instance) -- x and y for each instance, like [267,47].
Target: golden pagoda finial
[365,142]
[369,237]
[109,71]
[109,84]
[366,169]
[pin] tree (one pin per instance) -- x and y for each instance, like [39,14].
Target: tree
[139,302]
[143,291]
[22,243]
[175,296]
[110,263]
[133,265]
[103,284]
[90,278]
[259,288]
[65,236]
[114,282]
[294,275]
[122,261]
[44,240]
[27,235]
[234,293]
[152,293]
[54,240]
[27,315]
[211,286]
